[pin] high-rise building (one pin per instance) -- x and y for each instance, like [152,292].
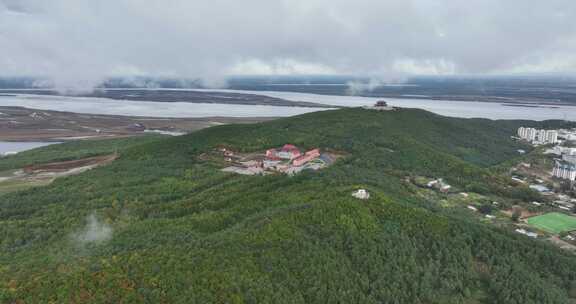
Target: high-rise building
[564,171]
[551,137]
[538,136]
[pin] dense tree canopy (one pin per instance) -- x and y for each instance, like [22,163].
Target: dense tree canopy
[178,230]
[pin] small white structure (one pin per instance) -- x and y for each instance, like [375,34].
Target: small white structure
[540,188]
[440,185]
[560,150]
[527,233]
[361,194]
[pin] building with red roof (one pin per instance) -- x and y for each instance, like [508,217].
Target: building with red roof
[308,156]
[288,151]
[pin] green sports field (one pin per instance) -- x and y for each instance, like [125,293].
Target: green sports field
[553,222]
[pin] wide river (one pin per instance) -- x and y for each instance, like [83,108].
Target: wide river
[184,109]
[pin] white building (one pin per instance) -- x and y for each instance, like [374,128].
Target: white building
[564,171]
[567,134]
[570,158]
[361,194]
[541,136]
[528,134]
[551,136]
[538,136]
[559,150]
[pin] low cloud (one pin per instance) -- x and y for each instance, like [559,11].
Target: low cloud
[78,43]
[95,232]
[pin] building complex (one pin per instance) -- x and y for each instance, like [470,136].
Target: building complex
[288,159]
[564,170]
[536,136]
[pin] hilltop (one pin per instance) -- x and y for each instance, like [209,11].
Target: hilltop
[163,225]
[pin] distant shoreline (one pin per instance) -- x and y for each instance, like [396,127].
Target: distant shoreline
[260,97]
[21,124]
[533,105]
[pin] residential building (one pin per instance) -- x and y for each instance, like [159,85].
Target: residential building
[289,152]
[308,156]
[528,134]
[569,158]
[564,170]
[560,150]
[551,137]
[538,136]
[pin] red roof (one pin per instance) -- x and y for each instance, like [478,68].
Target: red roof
[313,151]
[289,147]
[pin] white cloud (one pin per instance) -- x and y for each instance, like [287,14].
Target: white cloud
[279,67]
[79,42]
[425,66]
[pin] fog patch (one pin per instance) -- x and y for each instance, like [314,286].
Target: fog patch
[360,87]
[95,232]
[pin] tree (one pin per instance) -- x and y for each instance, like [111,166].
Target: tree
[516,215]
[486,209]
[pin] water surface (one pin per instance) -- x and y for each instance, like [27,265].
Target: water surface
[9,147]
[466,109]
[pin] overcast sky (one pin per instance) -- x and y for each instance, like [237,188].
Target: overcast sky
[79,42]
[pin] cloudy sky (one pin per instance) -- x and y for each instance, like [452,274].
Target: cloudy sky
[79,42]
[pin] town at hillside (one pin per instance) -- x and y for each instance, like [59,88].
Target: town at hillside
[549,170]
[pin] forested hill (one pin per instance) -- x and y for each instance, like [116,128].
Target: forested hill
[164,225]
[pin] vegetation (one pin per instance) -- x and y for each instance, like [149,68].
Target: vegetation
[160,225]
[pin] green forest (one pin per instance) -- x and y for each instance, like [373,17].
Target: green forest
[163,225]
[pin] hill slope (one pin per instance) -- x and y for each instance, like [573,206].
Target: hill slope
[162,225]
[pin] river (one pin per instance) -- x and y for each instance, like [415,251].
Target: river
[194,110]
